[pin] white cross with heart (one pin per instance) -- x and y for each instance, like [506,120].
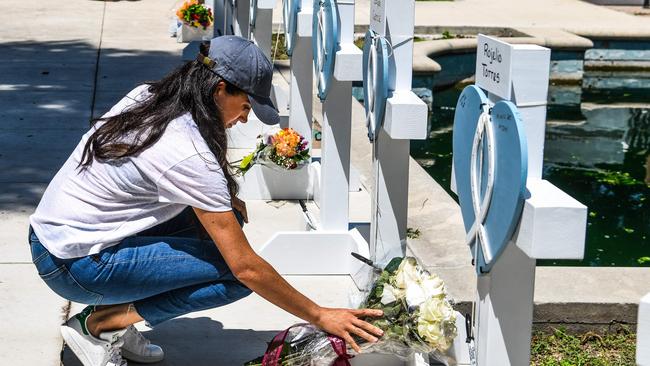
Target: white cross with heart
[517,224]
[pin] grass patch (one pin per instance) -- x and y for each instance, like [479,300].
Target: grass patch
[559,348]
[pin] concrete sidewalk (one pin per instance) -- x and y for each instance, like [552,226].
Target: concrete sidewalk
[75,60]
[75,63]
[574,16]
[61,62]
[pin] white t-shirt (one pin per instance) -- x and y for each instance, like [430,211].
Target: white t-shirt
[85,211]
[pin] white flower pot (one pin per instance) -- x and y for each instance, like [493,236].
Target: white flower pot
[188,33]
[265,183]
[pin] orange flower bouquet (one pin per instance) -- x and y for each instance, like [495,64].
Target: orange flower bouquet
[285,149]
[195,14]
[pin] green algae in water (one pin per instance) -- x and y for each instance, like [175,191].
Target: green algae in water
[614,178]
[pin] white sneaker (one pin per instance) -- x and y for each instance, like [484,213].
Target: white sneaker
[137,348]
[91,351]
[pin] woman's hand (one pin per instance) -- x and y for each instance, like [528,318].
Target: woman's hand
[344,322]
[240,206]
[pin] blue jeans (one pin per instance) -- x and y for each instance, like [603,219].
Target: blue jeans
[165,271]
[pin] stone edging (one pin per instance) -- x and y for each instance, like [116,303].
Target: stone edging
[557,39]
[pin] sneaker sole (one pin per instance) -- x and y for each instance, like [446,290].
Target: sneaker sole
[140,359]
[68,334]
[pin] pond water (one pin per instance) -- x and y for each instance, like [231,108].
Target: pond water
[597,150]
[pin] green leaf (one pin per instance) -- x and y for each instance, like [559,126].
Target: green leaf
[392,312]
[393,264]
[378,291]
[246,161]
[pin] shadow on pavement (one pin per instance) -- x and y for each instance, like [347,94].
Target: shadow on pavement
[48,93]
[200,342]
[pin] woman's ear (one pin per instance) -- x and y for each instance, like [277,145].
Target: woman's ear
[221,88]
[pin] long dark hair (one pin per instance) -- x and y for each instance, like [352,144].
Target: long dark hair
[189,88]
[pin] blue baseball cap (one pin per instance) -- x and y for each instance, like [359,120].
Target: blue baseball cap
[240,62]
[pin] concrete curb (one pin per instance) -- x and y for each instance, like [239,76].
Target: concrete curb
[612,33]
[556,39]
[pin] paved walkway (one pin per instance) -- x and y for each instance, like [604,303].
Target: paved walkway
[579,17]
[77,58]
[75,62]
[52,80]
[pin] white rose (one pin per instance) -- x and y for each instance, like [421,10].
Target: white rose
[388,295]
[431,310]
[398,292]
[432,333]
[407,273]
[433,286]
[414,295]
[437,323]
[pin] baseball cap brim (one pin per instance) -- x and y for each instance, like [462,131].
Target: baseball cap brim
[264,109]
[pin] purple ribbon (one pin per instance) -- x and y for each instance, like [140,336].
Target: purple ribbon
[339,347]
[274,350]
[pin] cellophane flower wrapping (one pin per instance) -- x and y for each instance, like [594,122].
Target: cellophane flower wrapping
[283,149]
[418,317]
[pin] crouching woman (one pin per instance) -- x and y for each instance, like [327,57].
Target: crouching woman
[119,227]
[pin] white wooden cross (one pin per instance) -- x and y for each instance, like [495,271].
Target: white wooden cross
[405,119]
[326,251]
[552,225]
[336,134]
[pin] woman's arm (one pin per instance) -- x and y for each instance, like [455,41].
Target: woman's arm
[260,277]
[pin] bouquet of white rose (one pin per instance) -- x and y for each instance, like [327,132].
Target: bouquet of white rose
[418,317]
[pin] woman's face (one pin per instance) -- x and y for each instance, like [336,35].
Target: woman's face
[234,107]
